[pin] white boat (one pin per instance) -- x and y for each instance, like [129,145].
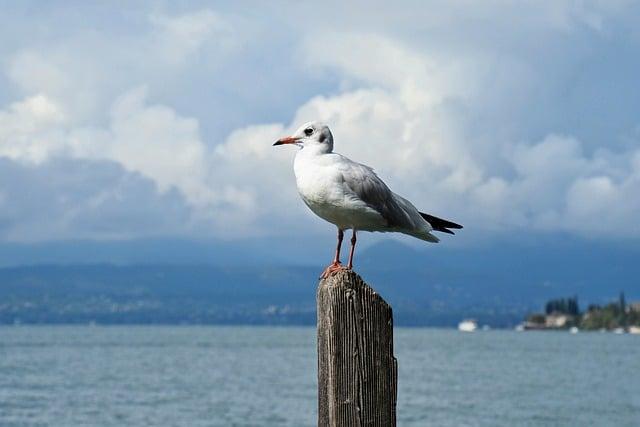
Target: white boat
[634,330]
[574,330]
[468,325]
[618,331]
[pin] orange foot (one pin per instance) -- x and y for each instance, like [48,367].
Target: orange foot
[331,269]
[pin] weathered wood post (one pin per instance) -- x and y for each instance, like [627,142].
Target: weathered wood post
[357,372]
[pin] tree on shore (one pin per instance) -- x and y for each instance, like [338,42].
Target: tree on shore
[623,311]
[568,306]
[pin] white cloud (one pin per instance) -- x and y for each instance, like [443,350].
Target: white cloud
[65,76]
[494,125]
[255,182]
[82,199]
[158,143]
[558,187]
[149,139]
[32,129]
[418,79]
[179,37]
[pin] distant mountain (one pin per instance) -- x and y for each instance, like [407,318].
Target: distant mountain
[212,282]
[254,252]
[522,271]
[140,251]
[503,278]
[156,294]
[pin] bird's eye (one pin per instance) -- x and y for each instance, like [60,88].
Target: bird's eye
[308,131]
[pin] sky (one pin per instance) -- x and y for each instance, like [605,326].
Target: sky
[129,120]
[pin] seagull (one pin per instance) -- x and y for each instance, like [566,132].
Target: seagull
[351,196]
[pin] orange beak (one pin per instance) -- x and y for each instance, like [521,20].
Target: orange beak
[287,140]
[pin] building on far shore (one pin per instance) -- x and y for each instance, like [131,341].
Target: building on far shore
[564,313]
[557,320]
[554,320]
[634,306]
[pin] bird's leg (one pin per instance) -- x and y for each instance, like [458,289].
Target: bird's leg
[353,248]
[336,260]
[335,265]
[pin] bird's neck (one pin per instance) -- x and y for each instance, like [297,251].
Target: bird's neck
[307,161]
[314,150]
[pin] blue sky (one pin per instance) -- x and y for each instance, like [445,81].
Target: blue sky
[156,119]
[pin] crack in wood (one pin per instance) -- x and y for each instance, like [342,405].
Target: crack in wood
[357,372]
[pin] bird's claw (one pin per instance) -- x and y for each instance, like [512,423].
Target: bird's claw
[332,269]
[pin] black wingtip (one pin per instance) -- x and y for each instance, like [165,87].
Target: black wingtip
[440,224]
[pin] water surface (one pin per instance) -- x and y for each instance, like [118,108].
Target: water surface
[266,376]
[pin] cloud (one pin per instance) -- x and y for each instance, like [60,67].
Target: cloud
[71,199]
[158,143]
[551,185]
[559,187]
[179,37]
[32,129]
[149,139]
[536,130]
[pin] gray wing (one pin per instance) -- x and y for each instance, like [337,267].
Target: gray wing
[369,188]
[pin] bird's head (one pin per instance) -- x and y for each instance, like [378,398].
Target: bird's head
[314,135]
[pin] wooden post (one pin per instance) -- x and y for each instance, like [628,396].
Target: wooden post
[357,372]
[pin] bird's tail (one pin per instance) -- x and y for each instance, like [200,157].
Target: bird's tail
[439,224]
[425,236]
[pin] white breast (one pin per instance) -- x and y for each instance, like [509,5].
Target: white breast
[321,185]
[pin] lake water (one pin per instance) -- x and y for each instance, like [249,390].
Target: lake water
[266,376]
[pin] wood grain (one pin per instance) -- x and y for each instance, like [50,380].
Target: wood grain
[357,372]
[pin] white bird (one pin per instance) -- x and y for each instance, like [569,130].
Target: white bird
[350,195]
